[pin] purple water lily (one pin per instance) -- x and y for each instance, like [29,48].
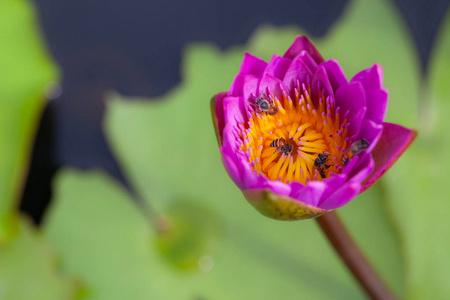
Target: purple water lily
[298,138]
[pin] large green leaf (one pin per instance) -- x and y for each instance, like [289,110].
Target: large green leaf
[168,151]
[25,69]
[420,197]
[28,269]
[27,263]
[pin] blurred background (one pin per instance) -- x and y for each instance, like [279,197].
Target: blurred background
[136,49]
[107,138]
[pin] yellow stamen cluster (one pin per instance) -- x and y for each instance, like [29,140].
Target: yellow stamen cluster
[310,129]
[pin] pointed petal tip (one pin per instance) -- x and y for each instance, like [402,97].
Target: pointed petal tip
[393,143]
[252,65]
[281,207]
[302,43]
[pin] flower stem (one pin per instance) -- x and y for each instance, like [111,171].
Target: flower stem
[345,246]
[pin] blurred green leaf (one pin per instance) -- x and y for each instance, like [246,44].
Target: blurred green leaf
[27,264]
[168,148]
[25,69]
[28,269]
[418,187]
[188,235]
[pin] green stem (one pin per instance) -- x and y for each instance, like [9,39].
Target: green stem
[354,259]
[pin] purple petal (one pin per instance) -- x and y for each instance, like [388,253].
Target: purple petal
[363,168]
[299,70]
[278,66]
[234,112]
[356,122]
[251,180]
[393,142]
[307,60]
[271,85]
[364,165]
[335,74]
[246,86]
[371,78]
[302,43]
[377,101]
[218,115]
[351,97]
[320,82]
[342,196]
[350,166]
[252,65]
[229,161]
[371,132]
[310,193]
[332,184]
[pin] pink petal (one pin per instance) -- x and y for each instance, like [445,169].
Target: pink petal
[350,166]
[333,183]
[244,85]
[218,115]
[363,168]
[356,122]
[247,87]
[234,111]
[320,82]
[299,70]
[364,165]
[393,142]
[371,78]
[252,65]
[307,60]
[251,180]
[335,74]
[229,161]
[310,193]
[342,196]
[302,43]
[377,101]
[271,85]
[278,66]
[351,97]
[371,132]
[248,176]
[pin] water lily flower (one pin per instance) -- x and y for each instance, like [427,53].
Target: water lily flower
[298,138]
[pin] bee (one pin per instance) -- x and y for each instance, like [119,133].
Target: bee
[320,163]
[264,105]
[354,150]
[282,146]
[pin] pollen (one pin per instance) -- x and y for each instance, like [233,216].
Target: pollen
[308,126]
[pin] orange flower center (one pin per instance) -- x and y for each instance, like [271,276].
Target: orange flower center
[286,146]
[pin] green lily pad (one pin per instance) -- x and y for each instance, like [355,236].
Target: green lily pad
[167,148]
[28,269]
[25,71]
[28,265]
[189,236]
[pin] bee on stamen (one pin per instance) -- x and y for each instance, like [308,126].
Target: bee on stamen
[264,105]
[320,164]
[282,146]
[356,148]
